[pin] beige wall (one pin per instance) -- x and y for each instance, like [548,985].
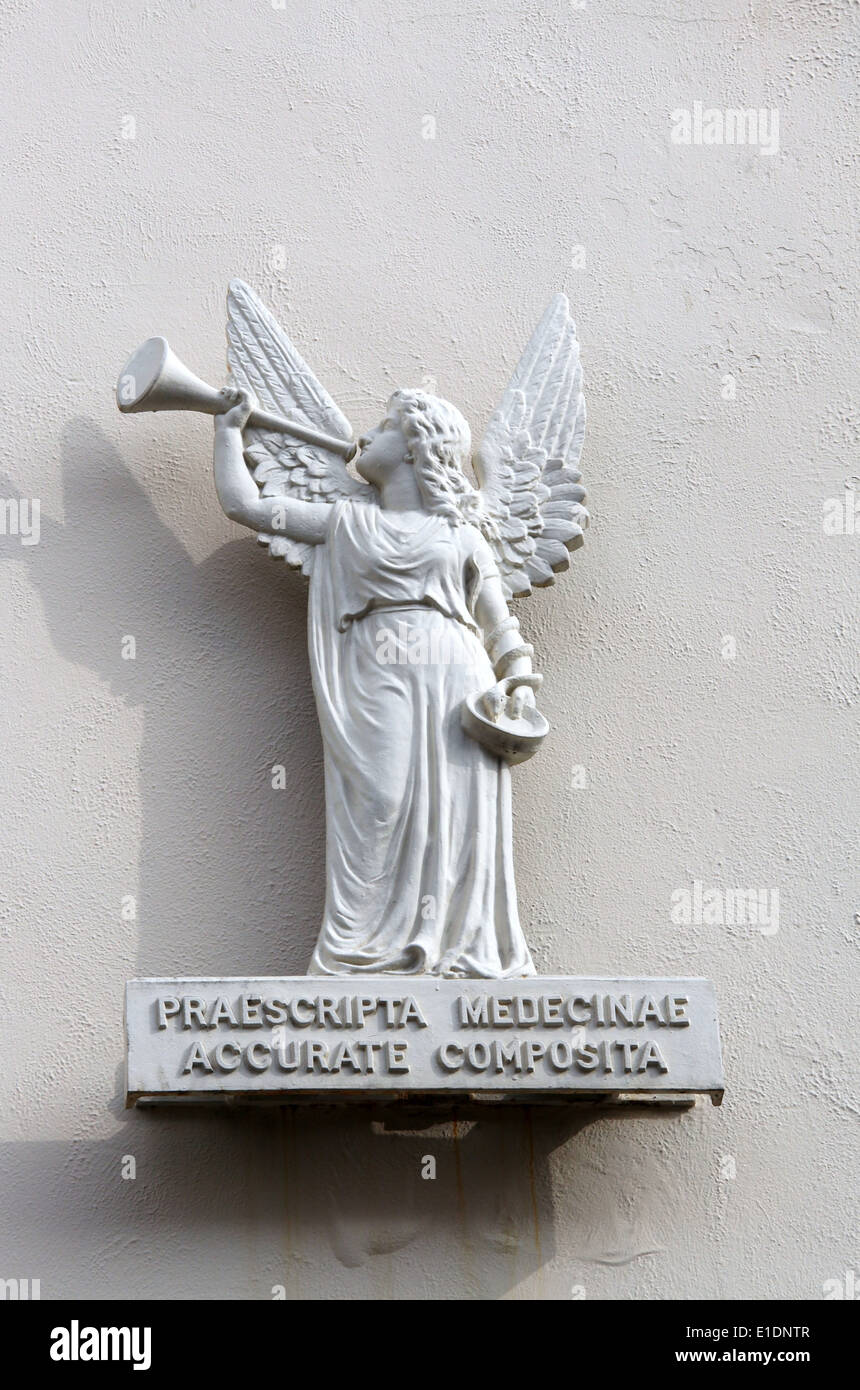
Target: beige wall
[287,145]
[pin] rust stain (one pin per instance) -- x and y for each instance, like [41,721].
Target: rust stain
[287,1125]
[533,1184]
[458,1173]
[461,1199]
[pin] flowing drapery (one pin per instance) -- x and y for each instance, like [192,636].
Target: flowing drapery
[418,816]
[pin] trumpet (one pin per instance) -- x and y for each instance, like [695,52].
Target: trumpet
[155,379]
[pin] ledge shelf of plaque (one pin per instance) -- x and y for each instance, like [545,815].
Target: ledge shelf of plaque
[421,986]
[421,1039]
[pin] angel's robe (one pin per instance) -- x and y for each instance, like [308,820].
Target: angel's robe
[420,875]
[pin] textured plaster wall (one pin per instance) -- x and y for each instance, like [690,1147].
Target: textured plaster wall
[151,151]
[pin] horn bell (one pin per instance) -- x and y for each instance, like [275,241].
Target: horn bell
[154,378]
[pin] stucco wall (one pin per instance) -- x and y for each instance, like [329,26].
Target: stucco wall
[153,150]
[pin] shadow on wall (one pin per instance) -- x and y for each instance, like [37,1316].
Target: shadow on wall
[231,872]
[230,880]
[294,1203]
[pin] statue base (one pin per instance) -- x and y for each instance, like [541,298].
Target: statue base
[422,1040]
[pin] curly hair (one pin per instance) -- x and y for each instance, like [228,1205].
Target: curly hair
[439,442]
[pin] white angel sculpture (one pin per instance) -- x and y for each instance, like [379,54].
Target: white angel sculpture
[410,574]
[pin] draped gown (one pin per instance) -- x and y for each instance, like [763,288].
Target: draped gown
[418,815]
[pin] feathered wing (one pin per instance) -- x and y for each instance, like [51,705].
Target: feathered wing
[526,464]
[263,360]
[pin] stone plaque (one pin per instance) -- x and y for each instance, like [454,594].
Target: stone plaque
[389,1037]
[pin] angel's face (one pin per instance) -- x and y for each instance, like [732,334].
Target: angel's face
[383,450]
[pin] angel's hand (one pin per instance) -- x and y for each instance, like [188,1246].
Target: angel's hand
[512,695]
[494,702]
[521,698]
[240,405]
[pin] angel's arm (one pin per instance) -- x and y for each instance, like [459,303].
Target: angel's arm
[239,495]
[507,651]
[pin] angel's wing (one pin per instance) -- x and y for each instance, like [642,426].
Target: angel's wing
[262,359]
[526,464]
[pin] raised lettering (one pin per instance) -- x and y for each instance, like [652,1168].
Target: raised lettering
[197,1058]
[166,1008]
[473,1012]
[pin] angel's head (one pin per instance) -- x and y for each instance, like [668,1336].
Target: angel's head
[431,437]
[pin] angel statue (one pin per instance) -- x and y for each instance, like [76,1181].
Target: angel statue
[416,657]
